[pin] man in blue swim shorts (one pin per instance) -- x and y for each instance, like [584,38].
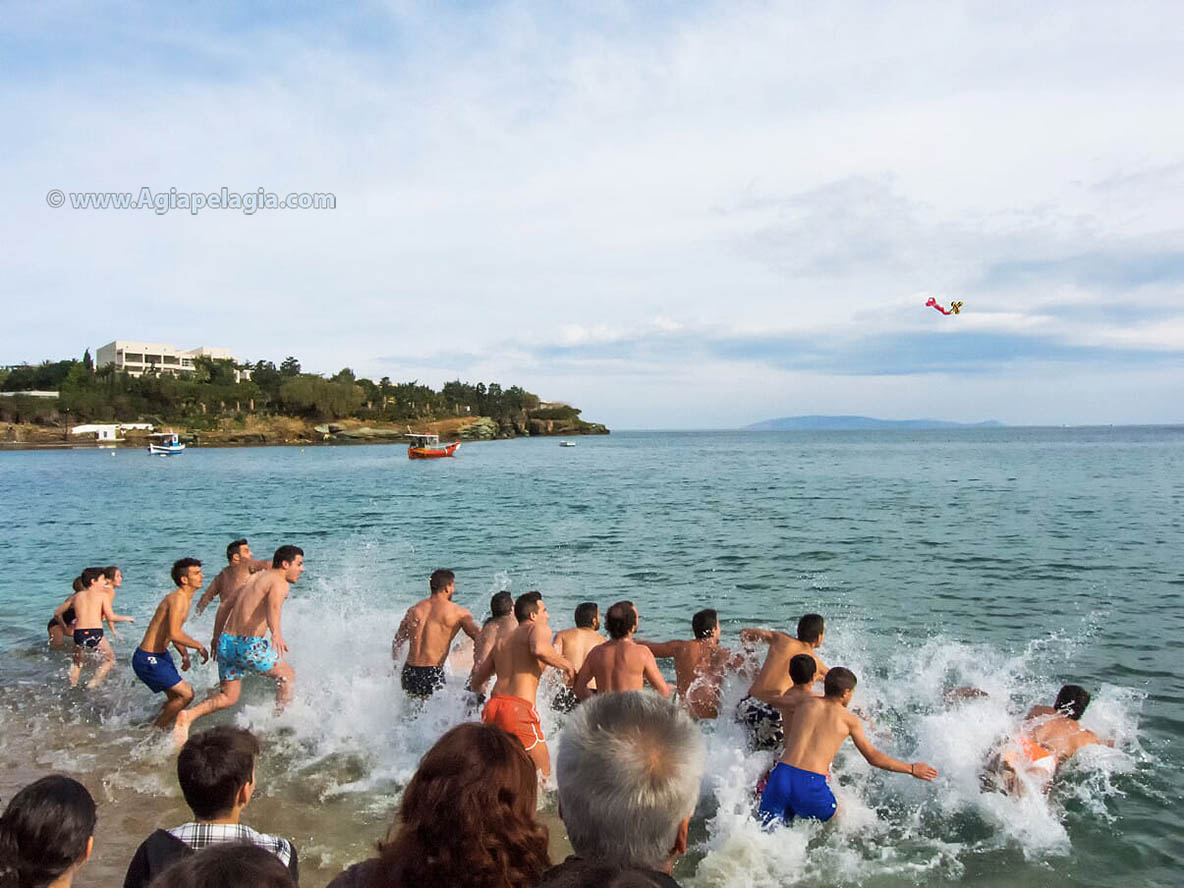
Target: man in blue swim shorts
[798,785]
[152,662]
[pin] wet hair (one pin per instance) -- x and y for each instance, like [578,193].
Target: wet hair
[110,571]
[527,604]
[704,623]
[44,831]
[233,548]
[89,575]
[285,553]
[810,628]
[77,584]
[501,604]
[802,669]
[586,614]
[181,568]
[227,865]
[213,766]
[621,619]
[1072,700]
[838,680]
[491,837]
[439,580]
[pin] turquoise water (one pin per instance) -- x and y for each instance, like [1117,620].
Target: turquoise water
[1009,559]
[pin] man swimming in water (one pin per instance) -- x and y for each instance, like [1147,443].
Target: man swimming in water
[799,783]
[428,629]
[574,644]
[519,659]
[244,618]
[92,605]
[238,571]
[620,664]
[755,710]
[152,662]
[699,665]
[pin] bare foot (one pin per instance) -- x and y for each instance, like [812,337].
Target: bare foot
[75,672]
[181,728]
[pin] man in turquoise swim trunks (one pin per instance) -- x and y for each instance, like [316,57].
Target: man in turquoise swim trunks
[799,784]
[244,618]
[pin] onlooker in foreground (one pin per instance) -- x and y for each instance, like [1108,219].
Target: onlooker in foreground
[46,834]
[216,770]
[236,865]
[629,768]
[467,818]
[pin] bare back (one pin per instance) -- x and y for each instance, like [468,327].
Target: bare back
[91,606]
[495,629]
[229,579]
[247,605]
[574,644]
[429,628]
[773,680]
[816,731]
[517,665]
[621,665]
[1058,733]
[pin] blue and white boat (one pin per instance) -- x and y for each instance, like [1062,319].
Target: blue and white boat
[169,444]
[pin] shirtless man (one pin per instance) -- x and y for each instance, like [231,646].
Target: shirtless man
[519,659]
[799,783]
[755,710]
[620,664]
[244,618]
[574,644]
[699,664]
[92,605]
[152,662]
[237,572]
[1050,736]
[501,621]
[428,628]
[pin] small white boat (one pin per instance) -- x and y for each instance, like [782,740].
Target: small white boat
[169,444]
[567,443]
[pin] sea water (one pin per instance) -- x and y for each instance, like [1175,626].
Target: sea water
[1009,560]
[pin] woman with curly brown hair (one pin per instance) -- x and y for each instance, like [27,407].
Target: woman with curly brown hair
[467,818]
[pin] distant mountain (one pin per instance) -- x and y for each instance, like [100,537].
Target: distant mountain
[839,423]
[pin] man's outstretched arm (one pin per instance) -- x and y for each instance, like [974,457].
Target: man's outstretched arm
[885,762]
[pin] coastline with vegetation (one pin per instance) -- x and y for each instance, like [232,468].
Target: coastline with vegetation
[219,404]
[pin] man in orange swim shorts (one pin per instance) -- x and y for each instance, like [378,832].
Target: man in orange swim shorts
[519,658]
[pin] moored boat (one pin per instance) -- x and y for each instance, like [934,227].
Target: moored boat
[428,447]
[168,444]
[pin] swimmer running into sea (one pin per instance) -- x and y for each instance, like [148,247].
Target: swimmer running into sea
[799,785]
[756,710]
[573,645]
[620,664]
[428,628]
[92,605]
[699,664]
[239,569]
[501,622]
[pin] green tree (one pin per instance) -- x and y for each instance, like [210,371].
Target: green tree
[290,367]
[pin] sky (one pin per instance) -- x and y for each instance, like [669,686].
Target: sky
[670,214]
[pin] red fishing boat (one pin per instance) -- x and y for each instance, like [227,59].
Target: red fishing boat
[428,447]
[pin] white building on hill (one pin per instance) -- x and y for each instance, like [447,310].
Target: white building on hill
[138,358]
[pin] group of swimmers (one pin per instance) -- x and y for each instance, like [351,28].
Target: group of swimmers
[781,710]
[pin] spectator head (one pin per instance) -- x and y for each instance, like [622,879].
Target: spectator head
[621,619]
[802,669]
[705,624]
[1072,700]
[46,830]
[234,552]
[501,605]
[230,865]
[839,684]
[527,605]
[180,571]
[484,781]
[216,770]
[811,628]
[588,615]
[629,768]
[441,581]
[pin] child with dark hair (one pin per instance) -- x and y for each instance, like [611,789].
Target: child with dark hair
[235,865]
[46,834]
[216,770]
[61,624]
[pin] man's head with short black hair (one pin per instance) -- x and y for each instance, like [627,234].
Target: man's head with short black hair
[286,553]
[90,575]
[810,629]
[621,619]
[527,605]
[501,604]
[233,549]
[440,580]
[180,569]
[802,669]
[704,623]
[213,766]
[588,615]
[1072,700]
[838,681]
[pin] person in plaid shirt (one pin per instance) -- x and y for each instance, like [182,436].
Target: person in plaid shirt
[216,770]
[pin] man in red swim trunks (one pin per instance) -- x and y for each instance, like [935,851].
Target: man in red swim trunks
[519,658]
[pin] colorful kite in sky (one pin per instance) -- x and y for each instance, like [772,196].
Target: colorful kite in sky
[955,307]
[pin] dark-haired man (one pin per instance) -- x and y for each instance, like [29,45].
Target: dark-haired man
[244,618]
[216,770]
[755,711]
[574,644]
[799,783]
[428,628]
[501,621]
[152,662]
[239,569]
[699,664]
[519,659]
[620,664]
